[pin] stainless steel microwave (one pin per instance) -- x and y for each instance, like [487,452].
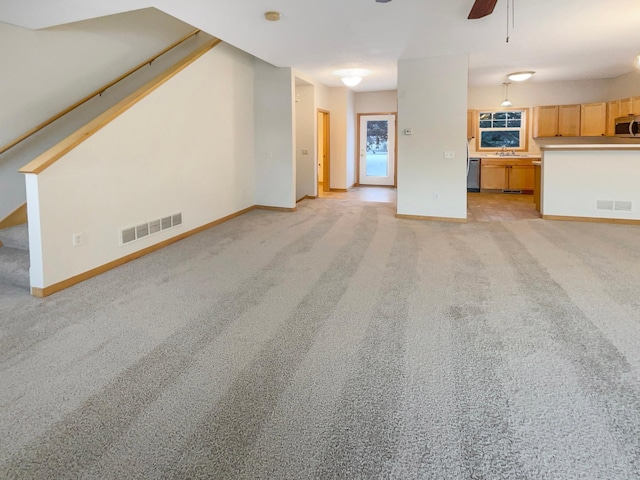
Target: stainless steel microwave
[628,126]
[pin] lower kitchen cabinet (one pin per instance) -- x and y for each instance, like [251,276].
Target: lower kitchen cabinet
[507,174]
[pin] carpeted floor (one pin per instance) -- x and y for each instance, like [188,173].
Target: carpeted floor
[335,342]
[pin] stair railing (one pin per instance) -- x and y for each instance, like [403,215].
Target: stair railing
[95,93]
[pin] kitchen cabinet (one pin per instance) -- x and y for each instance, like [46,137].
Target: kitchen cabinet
[510,174]
[593,119]
[556,121]
[471,124]
[545,121]
[569,120]
[625,107]
[613,111]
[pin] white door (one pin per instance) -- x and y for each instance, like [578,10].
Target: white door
[377,149]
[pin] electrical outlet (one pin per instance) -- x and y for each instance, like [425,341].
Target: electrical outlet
[449,154]
[305,151]
[77,239]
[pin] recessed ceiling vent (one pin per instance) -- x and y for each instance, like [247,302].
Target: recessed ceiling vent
[131,234]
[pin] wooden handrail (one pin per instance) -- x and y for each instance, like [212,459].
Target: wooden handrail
[56,152]
[100,91]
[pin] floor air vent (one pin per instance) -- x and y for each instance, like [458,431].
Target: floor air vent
[131,234]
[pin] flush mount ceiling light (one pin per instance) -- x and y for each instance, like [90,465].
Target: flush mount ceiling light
[272,16]
[507,102]
[352,76]
[520,76]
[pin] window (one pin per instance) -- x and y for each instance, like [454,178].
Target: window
[502,128]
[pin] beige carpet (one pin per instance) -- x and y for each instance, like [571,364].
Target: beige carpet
[335,342]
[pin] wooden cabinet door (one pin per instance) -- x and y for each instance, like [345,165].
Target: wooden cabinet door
[569,120]
[493,177]
[545,122]
[593,119]
[521,177]
[635,105]
[471,124]
[613,111]
[625,107]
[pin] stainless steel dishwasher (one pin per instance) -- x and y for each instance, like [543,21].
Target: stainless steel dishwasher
[473,175]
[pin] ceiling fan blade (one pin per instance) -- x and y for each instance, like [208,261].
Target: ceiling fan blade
[482,8]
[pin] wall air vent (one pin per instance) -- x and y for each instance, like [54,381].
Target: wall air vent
[130,234]
[622,206]
[604,205]
[154,226]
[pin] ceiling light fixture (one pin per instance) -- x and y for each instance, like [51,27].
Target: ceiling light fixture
[507,102]
[351,76]
[351,81]
[638,59]
[272,16]
[520,76]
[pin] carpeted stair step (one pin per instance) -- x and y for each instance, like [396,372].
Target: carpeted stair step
[15,237]
[14,266]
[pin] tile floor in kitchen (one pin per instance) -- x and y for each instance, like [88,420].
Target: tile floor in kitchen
[481,207]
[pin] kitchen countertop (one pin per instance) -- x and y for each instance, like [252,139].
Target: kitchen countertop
[506,157]
[592,146]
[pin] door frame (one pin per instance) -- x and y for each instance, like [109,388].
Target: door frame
[395,148]
[326,137]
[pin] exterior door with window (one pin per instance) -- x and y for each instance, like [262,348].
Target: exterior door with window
[377,149]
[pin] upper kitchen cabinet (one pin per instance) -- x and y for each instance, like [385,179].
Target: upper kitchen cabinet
[613,112]
[557,121]
[593,119]
[625,107]
[545,121]
[471,124]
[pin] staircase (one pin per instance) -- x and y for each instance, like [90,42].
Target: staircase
[14,256]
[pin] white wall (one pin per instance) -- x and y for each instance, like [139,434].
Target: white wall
[434,106]
[45,71]
[574,180]
[275,173]
[342,137]
[351,154]
[305,141]
[531,94]
[376,102]
[624,86]
[187,147]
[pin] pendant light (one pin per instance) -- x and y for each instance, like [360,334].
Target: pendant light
[507,102]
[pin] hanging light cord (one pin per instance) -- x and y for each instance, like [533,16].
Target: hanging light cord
[511,17]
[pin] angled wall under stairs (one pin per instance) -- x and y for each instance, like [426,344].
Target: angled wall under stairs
[14,256]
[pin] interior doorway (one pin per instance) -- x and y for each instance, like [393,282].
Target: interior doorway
[324,157]
[377,149]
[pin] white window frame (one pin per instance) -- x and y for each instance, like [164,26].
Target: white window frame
[523,129]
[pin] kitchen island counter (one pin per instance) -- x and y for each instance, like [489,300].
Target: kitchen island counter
[599,182]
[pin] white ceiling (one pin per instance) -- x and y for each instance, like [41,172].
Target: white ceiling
[559,39]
